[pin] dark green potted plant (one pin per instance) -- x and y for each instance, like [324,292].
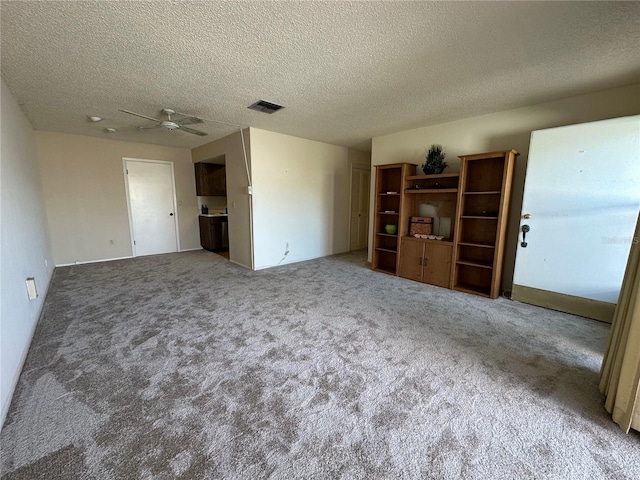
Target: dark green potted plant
[434,160]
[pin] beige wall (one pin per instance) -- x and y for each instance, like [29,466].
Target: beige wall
[301,198]
[358,157]
[503,130]
[84,190]
[238,200]
[25,247]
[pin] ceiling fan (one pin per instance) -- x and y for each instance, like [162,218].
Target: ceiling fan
[172,124]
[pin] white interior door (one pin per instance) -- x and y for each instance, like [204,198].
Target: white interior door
[582,193]
[359,229]
[152,212]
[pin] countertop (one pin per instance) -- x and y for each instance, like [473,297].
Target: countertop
[214,214]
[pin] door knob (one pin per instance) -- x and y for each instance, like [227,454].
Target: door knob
[171,214]
[526,216]
[525,229]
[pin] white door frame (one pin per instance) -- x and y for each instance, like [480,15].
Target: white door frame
[173,188]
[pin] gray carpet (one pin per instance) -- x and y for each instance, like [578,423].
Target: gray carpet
[187,366]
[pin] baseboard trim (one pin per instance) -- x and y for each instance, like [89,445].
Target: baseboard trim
[23,355]
[585,307]
[94,261]
[117,258]
[239,264]
[635,419]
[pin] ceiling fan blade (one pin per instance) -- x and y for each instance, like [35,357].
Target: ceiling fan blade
[139,115]
[195,132]
[189,119]
[149,128]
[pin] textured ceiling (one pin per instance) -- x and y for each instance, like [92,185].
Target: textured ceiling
[345,71]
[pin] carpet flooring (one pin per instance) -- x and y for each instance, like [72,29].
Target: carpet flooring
[187,366]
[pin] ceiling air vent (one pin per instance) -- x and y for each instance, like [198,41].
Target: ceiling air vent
[266,107]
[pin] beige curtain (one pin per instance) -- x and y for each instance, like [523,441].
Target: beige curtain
[620,373]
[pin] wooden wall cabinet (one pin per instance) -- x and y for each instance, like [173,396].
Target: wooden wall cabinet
[211,180]
[427,261]
[389,188]
[481,225]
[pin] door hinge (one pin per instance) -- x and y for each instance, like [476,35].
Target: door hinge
[134,242]
[127,171]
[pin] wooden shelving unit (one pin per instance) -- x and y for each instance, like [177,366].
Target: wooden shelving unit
[483,200]
[477,202]
[389,199]
[426,260]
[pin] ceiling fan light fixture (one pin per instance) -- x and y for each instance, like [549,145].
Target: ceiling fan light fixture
[95,118]
[169,124]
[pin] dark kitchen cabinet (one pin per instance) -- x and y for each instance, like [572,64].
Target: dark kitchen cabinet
[213,233]
[211,180]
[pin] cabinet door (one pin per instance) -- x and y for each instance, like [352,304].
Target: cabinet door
[216,234]
[437,264]
[206,239]
[219,180]
[411,253]
[211,180]
[200,179]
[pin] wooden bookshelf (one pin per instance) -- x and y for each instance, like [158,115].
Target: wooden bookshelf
[483,200]
[389,199]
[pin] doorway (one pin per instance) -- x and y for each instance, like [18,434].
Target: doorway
[580,205]
[359,225]
[150,189]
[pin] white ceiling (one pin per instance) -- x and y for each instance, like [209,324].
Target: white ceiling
[345,71]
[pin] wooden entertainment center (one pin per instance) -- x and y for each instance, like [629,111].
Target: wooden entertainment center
[475,205]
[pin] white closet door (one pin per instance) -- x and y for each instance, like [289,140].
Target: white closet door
[152,207]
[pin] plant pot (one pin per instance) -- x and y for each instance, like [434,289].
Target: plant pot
[433,171]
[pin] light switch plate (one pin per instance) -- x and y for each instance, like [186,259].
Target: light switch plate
[31,288]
